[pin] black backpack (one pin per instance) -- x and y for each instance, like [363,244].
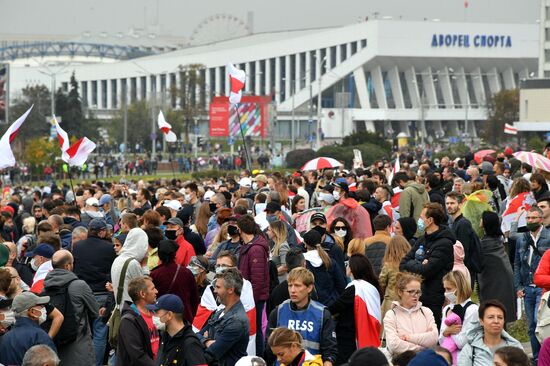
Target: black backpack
[59,297]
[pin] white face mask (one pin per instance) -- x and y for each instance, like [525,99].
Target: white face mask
[43,316]
[340,233]
[160,325]
[187,197]
[336,195]
[451,296]
[34,265]
[254,186]
[9,319]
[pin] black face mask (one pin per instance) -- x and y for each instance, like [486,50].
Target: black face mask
[171,234]
[321,230]
[233,230]
[213,207]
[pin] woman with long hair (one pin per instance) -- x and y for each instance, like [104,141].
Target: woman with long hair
[361,327]
[330,282]
[396,250]
[298,206]
[220,237]
[356,246]
[282,189]
[277,233]
[459,314]
[340,230]
[408,324]
[201,222]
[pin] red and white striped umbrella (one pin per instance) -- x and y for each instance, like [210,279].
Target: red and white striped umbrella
[534,159]
[321,163]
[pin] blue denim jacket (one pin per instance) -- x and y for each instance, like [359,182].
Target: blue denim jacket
[231,335]
[523,270]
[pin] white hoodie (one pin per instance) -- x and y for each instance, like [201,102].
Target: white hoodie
[312,256]
[135,247]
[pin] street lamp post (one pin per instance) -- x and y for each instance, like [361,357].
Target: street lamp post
[320,63]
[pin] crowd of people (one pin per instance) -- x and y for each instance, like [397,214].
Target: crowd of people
[328,267]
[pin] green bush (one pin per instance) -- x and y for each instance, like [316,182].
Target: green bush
[535,143]
[344,153]
[453,151]
[366,137]
[297,158]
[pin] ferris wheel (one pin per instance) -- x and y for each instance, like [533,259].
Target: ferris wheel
[218,27]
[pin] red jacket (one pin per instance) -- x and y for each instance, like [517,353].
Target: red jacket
[184,286]
[254,266]
[185,251]
[542,275]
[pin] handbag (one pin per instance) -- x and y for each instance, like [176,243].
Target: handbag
[114,320]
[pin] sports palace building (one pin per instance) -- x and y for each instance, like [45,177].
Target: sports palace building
[426,79]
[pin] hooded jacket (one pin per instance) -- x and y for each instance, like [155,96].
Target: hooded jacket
[412,200]
[135,247]
[93,258]
[134,341]
[458,264]
[438,250]
[184,349]
[253,264]
[476,352]
[86,309]
[357,216]
[329,283]
[417,324]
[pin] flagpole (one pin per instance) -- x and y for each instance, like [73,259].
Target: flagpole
[249,165]
[72,187]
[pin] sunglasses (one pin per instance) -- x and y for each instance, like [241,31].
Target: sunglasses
[340,227]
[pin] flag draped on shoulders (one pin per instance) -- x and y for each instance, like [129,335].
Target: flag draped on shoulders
[6,154]
[368,314]
[525,199]
[208,306]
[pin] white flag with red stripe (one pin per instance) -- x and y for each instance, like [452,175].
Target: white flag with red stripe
[237,79]
[368,314]
[208,306]
[77,154]
[524,199]
[396,168]
[166,128]
[510,129]
[6,154]
[40,276]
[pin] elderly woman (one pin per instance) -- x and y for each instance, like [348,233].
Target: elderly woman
[487,336]
[409,326]
[287,345]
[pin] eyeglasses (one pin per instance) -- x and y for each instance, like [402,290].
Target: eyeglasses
[414,292]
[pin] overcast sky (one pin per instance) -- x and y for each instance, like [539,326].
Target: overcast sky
[180,17]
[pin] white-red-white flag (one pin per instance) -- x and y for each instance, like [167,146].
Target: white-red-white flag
[166,128]
[77,154]
[368,314]
[525,199]
[237,79]
[6,154]
[510,129]
[396,168]
[79,151]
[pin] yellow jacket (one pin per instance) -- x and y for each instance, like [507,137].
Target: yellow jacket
[311,360]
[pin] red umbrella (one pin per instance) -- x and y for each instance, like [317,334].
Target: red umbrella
[321,163]
[478,156]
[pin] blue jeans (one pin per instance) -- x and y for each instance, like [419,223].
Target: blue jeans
[100,333]
[532,301]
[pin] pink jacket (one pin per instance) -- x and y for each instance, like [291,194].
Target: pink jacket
[417,324]
[459,265]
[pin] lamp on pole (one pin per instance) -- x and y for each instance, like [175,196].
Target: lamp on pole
[320,63]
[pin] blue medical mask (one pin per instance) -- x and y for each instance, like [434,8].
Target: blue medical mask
[420,224]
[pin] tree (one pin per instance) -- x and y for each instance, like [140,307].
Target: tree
[189,94]
[40,152]
[503,108]
[139,124]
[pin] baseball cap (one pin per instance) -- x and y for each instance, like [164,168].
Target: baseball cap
[168,302]
[245,182]
[312,238]
[318,216]
[272,207]
[44,250]
[27,300]
[251,361]
[173,204]
[92,201]
[208,195]
[370,356]
[195,262]
[9,210]
[97,224]
[342,185]
[174,221]
[106,198]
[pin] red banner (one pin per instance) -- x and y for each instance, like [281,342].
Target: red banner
[253,111]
